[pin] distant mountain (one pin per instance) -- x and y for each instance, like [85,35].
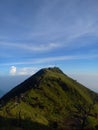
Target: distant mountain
[1,93]
[7,82]
[49,100]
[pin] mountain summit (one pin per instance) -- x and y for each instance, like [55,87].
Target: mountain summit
[52,100]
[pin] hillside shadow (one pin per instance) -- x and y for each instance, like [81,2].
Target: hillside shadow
[20,124]
[27,124]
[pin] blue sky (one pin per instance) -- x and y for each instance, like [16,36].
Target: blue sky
[42,33]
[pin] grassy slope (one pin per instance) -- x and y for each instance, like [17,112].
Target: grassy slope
[50,100]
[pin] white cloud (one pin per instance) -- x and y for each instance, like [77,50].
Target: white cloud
[42,47]
[13,70]
[32,46]
[69,34]
[26,71]
[53,59]
[23,71]
[62,58]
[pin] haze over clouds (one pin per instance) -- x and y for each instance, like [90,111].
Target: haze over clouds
[42,33]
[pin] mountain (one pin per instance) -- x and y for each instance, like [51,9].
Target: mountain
[49,100]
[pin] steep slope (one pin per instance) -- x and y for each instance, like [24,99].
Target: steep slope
[52,99]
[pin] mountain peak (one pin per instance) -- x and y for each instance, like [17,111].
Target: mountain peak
[52,69]
[55,69]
